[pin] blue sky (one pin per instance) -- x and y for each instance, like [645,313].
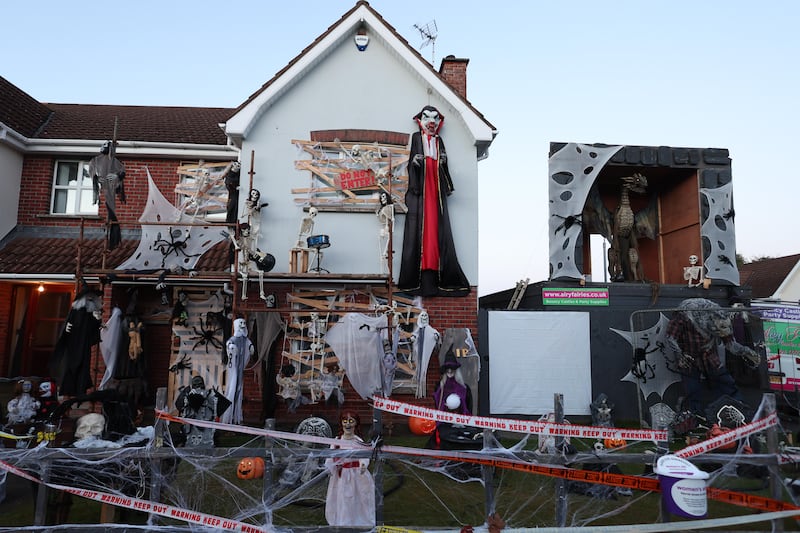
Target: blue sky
[721,74]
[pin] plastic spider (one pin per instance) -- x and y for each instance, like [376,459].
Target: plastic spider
[569,221]
[185,363]
[209,328]
[642,368]
[172,246]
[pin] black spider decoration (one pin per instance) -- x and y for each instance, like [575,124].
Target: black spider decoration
[724,259]
[209,329]
[568,222]
[641,368]
[185,363]
[728,215]
[172,246]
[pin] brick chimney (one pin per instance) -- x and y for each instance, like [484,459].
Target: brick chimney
[454,72]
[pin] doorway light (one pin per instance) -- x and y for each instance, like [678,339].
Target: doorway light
[40,288]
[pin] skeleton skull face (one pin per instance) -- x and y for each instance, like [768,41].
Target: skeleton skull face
[430,121]
[198,382]
[693,260]
[423,319]
[270,300]
[312,212]
[255,195]
[91,425]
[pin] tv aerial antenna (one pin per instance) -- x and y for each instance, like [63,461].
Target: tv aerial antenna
[428,32]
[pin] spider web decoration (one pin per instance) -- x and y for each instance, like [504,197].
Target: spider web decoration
[654,372]
[201,343]
[351,175]
[170,246]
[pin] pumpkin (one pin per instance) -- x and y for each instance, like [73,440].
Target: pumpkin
[421,426]
[250,468]
[614,443]
[717,430]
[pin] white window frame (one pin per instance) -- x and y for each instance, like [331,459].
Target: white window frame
[76,191]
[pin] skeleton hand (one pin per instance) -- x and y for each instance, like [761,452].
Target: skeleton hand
[418,159]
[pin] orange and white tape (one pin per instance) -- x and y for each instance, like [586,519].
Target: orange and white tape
[519,426]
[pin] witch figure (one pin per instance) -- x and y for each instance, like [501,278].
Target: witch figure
[429,265]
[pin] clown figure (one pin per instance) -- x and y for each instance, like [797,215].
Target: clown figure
[239,349]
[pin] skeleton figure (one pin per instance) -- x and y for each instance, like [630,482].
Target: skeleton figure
[385,214]
[249,254]
[306,229]
[693,274]
[252,207]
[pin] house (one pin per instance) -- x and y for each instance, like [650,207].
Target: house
[320,142]
[774,279]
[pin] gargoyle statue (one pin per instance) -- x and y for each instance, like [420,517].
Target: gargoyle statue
[623,228]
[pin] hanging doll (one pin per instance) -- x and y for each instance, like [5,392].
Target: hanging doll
[350,499]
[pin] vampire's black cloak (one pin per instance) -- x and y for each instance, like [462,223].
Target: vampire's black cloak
[73,350]
[450,279]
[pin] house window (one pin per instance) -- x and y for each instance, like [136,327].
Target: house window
[72,189]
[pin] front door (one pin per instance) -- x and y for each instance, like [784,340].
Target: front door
[38,322]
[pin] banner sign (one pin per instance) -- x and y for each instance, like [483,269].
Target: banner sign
[579,296]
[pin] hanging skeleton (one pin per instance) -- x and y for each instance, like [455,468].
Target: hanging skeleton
[385,214]
[249,254]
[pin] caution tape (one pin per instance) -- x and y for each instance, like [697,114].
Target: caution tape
[137,504]
[728,437]
[11,436]
[519,426]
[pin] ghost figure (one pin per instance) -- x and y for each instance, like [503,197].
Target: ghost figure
[22,408]
[693,274]
[239,349]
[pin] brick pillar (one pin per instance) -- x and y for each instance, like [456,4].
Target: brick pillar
[454,72]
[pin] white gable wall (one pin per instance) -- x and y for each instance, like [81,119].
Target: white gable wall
[374,89]
[10,180]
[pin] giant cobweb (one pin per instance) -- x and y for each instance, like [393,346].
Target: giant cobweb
[527,474]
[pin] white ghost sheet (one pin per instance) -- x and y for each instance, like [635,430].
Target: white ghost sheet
[169,240]
[357,341]
[654,372]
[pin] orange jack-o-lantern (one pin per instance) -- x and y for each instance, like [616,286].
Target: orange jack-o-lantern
[250,468]
[717,430]
[421,426]
[614,443]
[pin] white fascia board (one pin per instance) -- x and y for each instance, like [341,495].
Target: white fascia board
[240,124]
[11,138]
[132,148]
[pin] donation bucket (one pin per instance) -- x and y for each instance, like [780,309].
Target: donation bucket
[683,487]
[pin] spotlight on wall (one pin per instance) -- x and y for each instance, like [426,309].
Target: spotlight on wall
[40,288]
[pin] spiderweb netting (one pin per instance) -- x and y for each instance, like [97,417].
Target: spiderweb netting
[477,472]
[531,474]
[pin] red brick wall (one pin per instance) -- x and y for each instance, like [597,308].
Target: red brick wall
[37,180]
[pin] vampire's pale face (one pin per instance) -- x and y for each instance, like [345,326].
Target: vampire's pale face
[430,120]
